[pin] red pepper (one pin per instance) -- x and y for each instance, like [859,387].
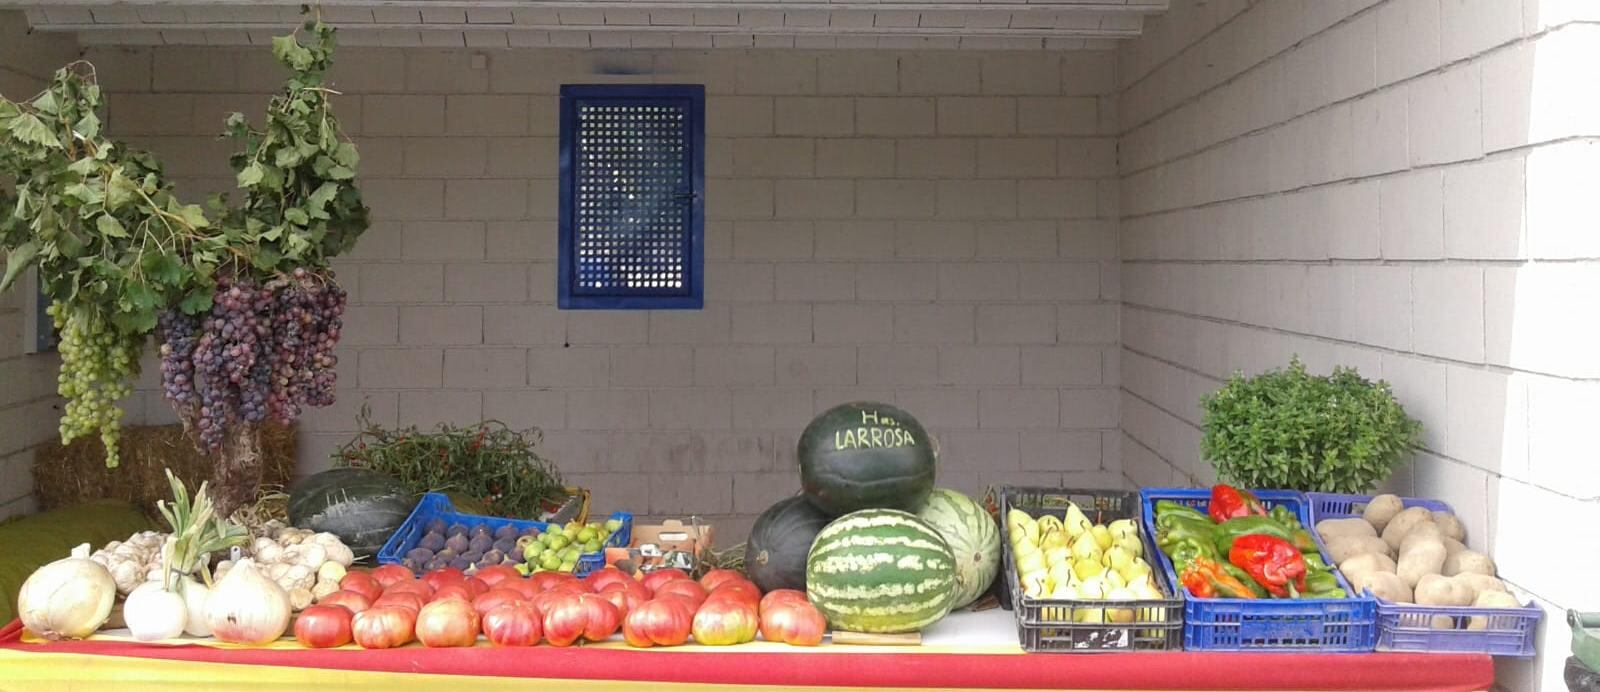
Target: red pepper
[1228,502]
[1272,562]
[1205,578]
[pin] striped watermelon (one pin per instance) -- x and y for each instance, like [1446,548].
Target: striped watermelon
[973,537]
[880,570]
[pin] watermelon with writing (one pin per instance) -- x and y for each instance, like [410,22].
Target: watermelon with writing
[866,455]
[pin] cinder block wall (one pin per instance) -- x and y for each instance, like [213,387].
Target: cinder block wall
[1404,187]
[934,230]
[28,405]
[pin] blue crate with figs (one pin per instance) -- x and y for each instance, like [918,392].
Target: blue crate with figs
[436,535]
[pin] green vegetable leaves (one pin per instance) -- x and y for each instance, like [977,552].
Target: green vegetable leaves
[1291,429]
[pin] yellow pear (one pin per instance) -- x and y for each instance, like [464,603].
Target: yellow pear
[1123,528]
[1147,591]
[1092,589]
[1132,544]
[1116,558]
[1032,562]
[1049,522]
[1087,568]
[1136,570]
[1084,547]
[1063,591]
[1060,574]
[1114,580]
[1033,584]
[1057,555]
[1052,537]
[1120,615]
[1102,536]
[1016,519]
[1077,524]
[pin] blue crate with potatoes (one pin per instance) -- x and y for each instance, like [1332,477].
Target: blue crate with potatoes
[437,506]
[1439,629]
[1328,625]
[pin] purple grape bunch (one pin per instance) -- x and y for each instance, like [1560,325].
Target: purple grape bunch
[264,350]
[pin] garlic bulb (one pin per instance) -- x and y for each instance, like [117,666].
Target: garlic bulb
[246,607]
[67,599]
[300,599]
[330,571]
[195,596]
[154,613]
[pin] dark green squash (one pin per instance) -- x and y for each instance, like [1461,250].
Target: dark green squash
[865,455]
[775,556]
[361,507]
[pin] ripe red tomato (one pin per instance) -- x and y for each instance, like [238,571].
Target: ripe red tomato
[493,575]
[724,622]
[565,618]
[799,624]
[782,596]
[664,622]
[420,588]
[444,575]
[740,590]
[389,574]
[599,579]
[717,577]
[457,591]
[602,618]
[447,622]
[685,588]
[495,597]
[401,599]
[513,624]
[383,627]
[323,626]
[362,583]
[655,579]
[352,601]
[623,599]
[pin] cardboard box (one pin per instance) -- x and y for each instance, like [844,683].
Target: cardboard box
[673,535]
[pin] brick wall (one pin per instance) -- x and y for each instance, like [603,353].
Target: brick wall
[932,229]
[27,382]
[1399,186]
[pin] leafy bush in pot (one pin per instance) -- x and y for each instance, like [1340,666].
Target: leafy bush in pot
[1288,428]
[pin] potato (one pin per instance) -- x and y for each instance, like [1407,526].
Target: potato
[1384,585]
[1435,589]
[1490,599]
[1467,561]
[1349,526]
[1367,562]
[1451,525]
[1341,548]
[1452,546]
[1443,622]
[1480,583]
[1424,531]
[1381,510]
[1397,528]
[1421,558]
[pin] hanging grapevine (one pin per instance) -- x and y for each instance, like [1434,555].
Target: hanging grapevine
[243,303]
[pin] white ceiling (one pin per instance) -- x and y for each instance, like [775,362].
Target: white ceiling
[891,24]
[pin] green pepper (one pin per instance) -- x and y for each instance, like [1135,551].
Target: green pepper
[1245,578]
[1321,583]
[1168,507]
[1285,517]
[1172,521]
[1185,549]
[1314,562]
[1231,529]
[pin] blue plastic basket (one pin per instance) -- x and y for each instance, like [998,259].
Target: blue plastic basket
[438,506]
[1406,627]
[1243,624]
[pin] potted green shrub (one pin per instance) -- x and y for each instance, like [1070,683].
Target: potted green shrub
[1288,428]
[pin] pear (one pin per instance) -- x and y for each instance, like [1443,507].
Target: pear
[1092,589]
[1032,562]
[1114,580]
[1033,584]
[1058,555]
[1123,528]
[1085,548]
[1136,570]
[1102,536]
[1049,522]
[1024,547]
[1146,591]
[1063,591]
[1132,544]
[1120,615]
[1016,519]
[1117,558]
[1060,574]
[1077,524]
[1087,568]
[1052,537]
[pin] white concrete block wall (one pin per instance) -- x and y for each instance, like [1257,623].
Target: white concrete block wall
[936,230]
[28,405]
[1395,186]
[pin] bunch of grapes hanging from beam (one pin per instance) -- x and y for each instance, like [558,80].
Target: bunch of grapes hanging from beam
[264,351]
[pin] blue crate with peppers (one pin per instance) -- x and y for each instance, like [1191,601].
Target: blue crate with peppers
[1253,576]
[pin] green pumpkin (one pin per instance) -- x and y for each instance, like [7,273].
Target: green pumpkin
[865,455]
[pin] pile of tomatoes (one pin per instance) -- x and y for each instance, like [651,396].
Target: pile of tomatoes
[389,607]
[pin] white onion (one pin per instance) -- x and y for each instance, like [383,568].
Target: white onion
[195,597]
[69,598]
[154,613]
[246,607]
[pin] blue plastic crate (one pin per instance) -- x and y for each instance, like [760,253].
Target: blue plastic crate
[438,506]
[1405,627]
[1242,624]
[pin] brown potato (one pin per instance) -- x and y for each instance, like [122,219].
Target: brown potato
[1367,562]
[1451,525]
[1381,509]
[1341,548]
[1421,558]
[1384,585]
[1435,589]
[1349,526]
[1397,528]
[1465,562]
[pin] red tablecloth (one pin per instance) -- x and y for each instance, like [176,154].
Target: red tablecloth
[127,665]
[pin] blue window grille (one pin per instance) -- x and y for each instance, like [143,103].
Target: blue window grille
[632,197]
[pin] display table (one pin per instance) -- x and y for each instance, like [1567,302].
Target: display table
[965,650]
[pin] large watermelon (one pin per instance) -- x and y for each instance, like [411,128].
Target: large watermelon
[880,570]
[973,537]
[361,507]
[863,455]
[775,556]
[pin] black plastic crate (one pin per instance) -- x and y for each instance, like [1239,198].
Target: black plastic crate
[1049,624]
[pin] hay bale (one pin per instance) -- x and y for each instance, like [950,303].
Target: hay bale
[39,539]
[74,473]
